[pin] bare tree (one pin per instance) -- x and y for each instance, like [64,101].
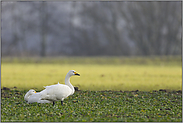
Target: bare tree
[91,28]
[100,33]
[154,26]
[43,18]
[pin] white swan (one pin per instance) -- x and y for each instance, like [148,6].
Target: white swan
[56,92]
[31,96]
[59,91]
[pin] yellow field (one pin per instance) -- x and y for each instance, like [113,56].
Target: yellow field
[93,76]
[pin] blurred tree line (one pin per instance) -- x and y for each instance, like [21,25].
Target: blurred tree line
[91,28]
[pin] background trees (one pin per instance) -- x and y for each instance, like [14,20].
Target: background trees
[91,28]
[157,30]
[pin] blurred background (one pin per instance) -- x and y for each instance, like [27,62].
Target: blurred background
[113,45]
[91,28]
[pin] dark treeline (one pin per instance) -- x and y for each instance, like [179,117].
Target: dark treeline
[91,28]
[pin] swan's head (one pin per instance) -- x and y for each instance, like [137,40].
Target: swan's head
[72,73]
[28,94]
[31,92]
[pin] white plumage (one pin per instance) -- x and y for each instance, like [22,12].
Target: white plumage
[53,93]
[33,96]
[28,94]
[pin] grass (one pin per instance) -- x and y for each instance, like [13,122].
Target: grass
[93,76]
[95,106]
[150,60]
[107,89]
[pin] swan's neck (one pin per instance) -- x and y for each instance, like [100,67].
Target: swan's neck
[67,82]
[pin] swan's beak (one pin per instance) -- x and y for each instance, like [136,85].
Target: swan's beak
[35,91]
[76,73]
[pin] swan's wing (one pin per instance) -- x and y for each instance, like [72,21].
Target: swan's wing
[49,86]
[48,94]
[56,92]
[52,85]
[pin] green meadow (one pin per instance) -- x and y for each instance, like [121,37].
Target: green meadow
[95,106]
[117,89]
[106,73]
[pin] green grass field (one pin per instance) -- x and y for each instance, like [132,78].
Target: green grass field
[143,74]
[95,102]
[95,106]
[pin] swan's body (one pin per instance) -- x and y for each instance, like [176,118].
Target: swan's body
[56,92]
[37,98]
[31,97]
